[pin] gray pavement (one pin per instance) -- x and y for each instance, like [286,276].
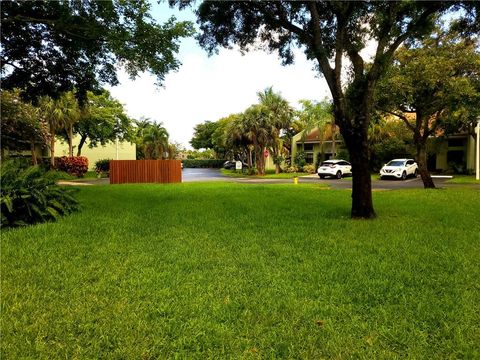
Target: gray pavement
[202,175]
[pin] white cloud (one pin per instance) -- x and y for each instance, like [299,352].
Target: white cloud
[210,88]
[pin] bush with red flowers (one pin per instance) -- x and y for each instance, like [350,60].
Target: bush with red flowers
[74,165]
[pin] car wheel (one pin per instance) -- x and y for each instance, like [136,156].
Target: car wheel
[415,174]
[381,177]
[339,174]
[404,175]
[322,176]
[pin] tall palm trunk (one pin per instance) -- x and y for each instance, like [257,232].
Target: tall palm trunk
[70,140]
[52,147]
[34,154]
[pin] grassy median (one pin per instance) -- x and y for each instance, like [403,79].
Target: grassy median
[245,271]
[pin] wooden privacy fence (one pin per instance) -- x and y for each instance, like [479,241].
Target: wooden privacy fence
[145,171]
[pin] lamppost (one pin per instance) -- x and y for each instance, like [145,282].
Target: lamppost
[477,158]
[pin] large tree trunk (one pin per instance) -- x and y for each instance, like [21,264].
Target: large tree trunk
[334,146]
[278,169]
[356,140]
[34,154]
[80,145]
[422,163]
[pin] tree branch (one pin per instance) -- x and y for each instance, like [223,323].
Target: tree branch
[400,116]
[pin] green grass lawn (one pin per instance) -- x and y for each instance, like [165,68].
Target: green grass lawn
[464,179]
[245,271]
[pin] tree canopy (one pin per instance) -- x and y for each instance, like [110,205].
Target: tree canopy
[329,32]
[49,47]
[433,86]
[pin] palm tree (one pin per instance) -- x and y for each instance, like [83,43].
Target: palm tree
[153,139]
[318,115]
[71,114]
[280,116]
[60,114]
[257,128]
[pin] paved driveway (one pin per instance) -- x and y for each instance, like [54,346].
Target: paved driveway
[191,175]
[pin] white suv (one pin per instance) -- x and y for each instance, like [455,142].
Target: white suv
[336,168]
[399,168]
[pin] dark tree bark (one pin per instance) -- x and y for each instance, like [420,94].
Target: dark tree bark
[34,154]
[80,145]
[52,149]
[421,158]
[356,140]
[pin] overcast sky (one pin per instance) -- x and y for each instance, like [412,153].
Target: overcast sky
[209,88]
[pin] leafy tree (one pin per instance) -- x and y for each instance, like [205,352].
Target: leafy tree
[21,126]
[102,119]
[152,140]
[433,86]
[318,115]
[329,32]
[388,138]
[230,141]
[280,116]
[202,135]
[50,47]
[237,139]
[256,127]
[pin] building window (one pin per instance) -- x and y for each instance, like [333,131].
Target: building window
[455,156]
[308,147]
[309,158]
[456,142]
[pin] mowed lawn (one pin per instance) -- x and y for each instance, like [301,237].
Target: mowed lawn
[245,271]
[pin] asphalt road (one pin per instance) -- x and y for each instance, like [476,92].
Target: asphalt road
[191,175]
[199,175]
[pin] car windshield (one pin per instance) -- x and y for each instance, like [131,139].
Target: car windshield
[395,163]
[327,163]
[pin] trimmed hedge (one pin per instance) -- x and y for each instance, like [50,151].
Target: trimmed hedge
[75,165]
[209,163]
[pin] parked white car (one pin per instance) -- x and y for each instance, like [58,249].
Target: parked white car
[399,169]
[335,168]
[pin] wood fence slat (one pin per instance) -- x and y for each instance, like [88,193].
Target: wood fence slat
[145,171]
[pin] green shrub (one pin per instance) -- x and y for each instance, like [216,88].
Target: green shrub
[207,163]
[300,159]
[309,168]
[292,169]
[102,166]
[74,165]
[29,196]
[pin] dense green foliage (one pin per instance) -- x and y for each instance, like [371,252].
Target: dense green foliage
[103,119]
[29,196]
[22,127]
[203,163]
[434,88]
[49,47]
[151,139]
[240,271]
[102,166]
